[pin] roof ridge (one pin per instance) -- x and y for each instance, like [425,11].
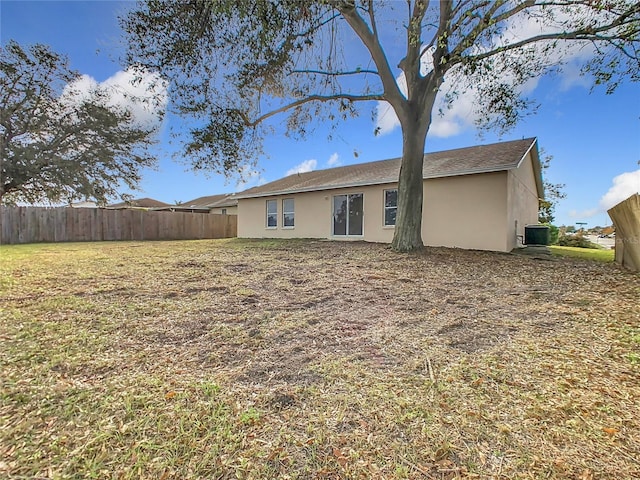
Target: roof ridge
[532,139]
[491,157]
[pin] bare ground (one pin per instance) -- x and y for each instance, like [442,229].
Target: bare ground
[320,359]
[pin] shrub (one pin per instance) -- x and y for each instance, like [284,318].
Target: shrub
[575,241]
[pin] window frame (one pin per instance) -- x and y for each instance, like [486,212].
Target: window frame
[385,208]
[292,213]
[268,214]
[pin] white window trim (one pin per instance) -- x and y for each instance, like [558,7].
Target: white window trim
[289,227]
[333,234]
[384,208]
[266,215]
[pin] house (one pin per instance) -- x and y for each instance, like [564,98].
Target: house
[139,203]
[478,197]
[225,204]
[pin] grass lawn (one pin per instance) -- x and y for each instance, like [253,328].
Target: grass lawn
[310,359]
[600,255]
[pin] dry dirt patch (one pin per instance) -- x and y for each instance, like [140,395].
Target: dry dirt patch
[312,359]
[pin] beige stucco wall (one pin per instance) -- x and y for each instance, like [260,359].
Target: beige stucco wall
[230,210]
[313,216]
[467,211]
[522,202]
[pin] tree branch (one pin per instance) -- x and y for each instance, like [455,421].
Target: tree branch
[314,28]
[322,72]
[465,19]
[617,46]
[483,23]
[372,19]
[391,90]
[442,36]
[586,35]
[414,34]
[589,34]
[310,98]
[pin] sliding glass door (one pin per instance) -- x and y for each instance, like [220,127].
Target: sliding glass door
[348,214]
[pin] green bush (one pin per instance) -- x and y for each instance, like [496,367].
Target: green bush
[575,241]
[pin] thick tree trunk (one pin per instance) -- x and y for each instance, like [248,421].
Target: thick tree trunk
[408,230]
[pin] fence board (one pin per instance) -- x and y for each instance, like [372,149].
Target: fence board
[63,224]
[626,219]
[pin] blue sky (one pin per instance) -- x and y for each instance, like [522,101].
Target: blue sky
[594,138]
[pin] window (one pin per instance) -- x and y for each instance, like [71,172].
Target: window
[348,214]
[390,207]
[288,213]
[272,214]
[224,211]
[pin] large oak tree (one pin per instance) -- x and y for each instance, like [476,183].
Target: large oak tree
[235,64]
[59,143]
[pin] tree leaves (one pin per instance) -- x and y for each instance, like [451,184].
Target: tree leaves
[58,145]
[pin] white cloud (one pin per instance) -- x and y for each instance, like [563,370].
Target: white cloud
[451,122]
[334,160]
[144,94]
[592,212]
[571,76]
[624,185]
[386,118]
[306,166]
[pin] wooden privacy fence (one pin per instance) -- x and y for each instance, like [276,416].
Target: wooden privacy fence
[39,224]
[626,219]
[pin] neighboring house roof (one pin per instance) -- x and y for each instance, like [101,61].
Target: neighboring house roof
[211,201]
[461,161]
[84,204]
[140,203]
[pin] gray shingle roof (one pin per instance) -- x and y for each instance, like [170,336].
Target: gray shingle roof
[140,203]
[211,201]
[461,161]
